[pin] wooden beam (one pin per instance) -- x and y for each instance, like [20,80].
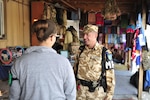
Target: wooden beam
[97,5]
[69,5]
[140,87]
[141,70]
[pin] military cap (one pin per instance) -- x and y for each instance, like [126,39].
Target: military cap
[90,28]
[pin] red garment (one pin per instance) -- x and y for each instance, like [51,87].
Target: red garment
[91,17]
[130,29]
[134,44]
[99,19]
[109,30]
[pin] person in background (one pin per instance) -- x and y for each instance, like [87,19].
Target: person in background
[117,58]
[88,68]
[40,73]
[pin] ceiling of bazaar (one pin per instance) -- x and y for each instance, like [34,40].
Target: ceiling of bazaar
[125,6]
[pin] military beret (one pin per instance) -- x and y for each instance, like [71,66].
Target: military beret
[90,28]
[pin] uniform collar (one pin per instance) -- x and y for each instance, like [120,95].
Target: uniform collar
[95,47]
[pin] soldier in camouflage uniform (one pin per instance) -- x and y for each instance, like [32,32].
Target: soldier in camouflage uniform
[89,68]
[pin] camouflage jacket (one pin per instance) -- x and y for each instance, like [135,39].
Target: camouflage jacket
[90,68]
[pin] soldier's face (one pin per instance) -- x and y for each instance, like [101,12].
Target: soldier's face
[89,38]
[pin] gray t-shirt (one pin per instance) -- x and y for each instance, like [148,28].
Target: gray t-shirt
[42,75]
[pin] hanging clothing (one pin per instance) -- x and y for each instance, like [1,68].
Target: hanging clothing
[105,29]
[148,17]
[109,30]
[91,18]
[65,18]
[129,40]
[99,19]
[124,21]
[136,57]
[130,35]
[115,38]
[118,30]
[53,14]
[130,28]
[114,29]
[68,40]
[110,38]
[84,19]
[123,38]
[59,16]
[74,15]
[118,39]
[139,38]
[135,45]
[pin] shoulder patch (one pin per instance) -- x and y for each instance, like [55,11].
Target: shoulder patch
[108,51]
[109,55]
[109,65]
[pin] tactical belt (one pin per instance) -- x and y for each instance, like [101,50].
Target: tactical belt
[84,82]
[90,84]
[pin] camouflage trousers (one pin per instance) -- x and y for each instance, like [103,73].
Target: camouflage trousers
[84,94]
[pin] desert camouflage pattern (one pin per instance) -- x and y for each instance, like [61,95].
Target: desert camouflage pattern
[90,28]
[89,68]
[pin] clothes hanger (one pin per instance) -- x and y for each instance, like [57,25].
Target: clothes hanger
[91,11]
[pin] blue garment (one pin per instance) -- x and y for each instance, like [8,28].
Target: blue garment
[109,38]
[147,79]
[141,41]
[106,29]
[4,70]
[148,18]
[139,21]
[142,38]
[115,38]
[74,15]
[138,46]
[118,39]
[138,60]
[131,27]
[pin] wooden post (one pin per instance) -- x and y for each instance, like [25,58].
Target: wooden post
[140,87]
[126,58]
[129,59]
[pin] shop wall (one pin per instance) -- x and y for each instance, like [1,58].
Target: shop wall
[17,23]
